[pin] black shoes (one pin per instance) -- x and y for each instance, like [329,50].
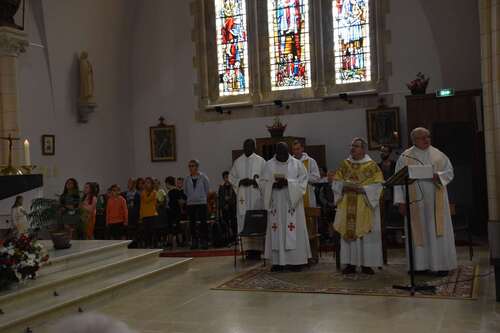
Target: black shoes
[441,273]
[349,269]
[367,270]
[277,268]
[431,273]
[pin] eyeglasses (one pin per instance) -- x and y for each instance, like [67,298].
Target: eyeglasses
[192,165]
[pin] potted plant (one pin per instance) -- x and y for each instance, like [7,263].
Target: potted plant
[277,129]
[45,214]
[419,85]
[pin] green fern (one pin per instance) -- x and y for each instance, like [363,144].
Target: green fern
[43,212]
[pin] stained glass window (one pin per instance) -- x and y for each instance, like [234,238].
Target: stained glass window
[289,44]
[232,47]
[351,34]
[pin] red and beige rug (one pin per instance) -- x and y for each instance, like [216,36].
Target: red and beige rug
[324,278]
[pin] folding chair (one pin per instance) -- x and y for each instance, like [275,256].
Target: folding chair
[255,226]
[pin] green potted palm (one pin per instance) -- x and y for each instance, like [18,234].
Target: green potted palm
[45,213]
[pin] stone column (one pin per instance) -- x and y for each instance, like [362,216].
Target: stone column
[12,43]
[490,73]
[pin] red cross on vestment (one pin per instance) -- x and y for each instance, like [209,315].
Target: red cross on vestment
[291,226]
[274,227]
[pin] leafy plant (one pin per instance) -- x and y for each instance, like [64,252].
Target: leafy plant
[44,212]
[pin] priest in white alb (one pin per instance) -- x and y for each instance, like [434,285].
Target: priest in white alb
[245,176]
[357,187]
[284,184]
[433,238]
[313,176]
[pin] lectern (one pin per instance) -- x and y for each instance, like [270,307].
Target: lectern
[403,178]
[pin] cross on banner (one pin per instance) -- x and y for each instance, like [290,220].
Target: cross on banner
[242,201]
[291,226]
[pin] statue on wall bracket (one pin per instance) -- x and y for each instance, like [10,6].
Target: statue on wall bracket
[86,101]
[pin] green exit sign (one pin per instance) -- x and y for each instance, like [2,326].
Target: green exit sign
[445,92]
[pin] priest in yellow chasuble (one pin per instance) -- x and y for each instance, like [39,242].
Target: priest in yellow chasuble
[357,187]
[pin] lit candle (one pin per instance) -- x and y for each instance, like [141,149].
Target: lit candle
[27,159]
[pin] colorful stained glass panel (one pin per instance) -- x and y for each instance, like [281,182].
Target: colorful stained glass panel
[351,33]
[289,48]
[232,47]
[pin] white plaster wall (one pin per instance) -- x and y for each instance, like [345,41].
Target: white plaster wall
[163,78]
[48,79]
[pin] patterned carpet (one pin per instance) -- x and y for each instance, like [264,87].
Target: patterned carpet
[324,278]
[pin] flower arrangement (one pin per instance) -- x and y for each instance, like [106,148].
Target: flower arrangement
[418,85]
[20,260]
[277,128]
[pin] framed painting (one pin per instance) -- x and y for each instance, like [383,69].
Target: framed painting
[383,129]
[162,142]
[48,145]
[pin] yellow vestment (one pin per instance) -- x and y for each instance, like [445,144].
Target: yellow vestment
[357,214]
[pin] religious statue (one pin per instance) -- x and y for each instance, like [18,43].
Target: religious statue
[86,102]
[8,9]
[86,80]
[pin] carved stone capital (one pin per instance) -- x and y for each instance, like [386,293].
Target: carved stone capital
[12,41]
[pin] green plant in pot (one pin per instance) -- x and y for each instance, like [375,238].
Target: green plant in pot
[46,213]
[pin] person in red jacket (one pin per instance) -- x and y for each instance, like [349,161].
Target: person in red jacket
[116,214]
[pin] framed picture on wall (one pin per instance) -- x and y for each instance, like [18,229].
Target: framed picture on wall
[382,125]
[162,142]
[48,145]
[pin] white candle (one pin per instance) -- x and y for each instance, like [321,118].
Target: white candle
[27,158]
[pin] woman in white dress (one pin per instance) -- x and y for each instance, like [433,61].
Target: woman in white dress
[19,216]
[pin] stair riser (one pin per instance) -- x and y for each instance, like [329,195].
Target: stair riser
[65,264]
[69,284]
[90,302]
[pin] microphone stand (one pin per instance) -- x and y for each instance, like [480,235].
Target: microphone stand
[413,287]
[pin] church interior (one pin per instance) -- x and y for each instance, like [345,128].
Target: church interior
[244,166]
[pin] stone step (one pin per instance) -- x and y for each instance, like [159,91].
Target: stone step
[49,285]
[81,253]
[89,294]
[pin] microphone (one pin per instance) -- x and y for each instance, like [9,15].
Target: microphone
[410,157]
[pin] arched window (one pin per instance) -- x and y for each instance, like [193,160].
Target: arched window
[232,47]
[289,45]
[251,53]
[351,39]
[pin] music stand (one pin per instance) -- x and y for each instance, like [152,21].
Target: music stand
[402,178]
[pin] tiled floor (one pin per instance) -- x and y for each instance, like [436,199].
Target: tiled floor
[185,303]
